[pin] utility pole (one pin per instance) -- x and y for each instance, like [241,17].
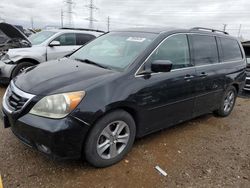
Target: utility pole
[108,24]
[91,18]
[239,31]
[69,4]
[32,22]
[224,27]
[62,18]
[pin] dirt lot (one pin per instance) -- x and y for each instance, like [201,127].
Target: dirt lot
[205,152]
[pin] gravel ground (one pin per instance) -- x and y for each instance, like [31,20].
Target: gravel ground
[205,152]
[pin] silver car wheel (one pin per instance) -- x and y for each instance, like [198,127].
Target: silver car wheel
[113,139]
[229,101]
[22,69]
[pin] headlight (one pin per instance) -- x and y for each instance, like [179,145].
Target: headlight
[57,106]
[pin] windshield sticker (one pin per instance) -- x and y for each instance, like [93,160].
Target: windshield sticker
[136,39]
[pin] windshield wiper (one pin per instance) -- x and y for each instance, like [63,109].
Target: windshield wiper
[92,63]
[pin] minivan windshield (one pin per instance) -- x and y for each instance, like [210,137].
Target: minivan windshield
[115,50]
[40,37]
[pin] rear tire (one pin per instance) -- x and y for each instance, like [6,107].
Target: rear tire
[110,139]
[227,102]
[20,68]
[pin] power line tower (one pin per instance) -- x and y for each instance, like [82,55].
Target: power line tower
[91,18]
[69,4]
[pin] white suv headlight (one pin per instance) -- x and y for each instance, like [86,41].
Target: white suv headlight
[57,106]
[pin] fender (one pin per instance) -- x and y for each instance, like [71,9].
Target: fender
[36,53]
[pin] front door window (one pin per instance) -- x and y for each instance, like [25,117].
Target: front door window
[174,49]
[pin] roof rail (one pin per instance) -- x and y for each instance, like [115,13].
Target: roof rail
[83,29]
[209,29]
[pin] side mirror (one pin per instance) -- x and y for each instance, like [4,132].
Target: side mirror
[161,66]
[54,43]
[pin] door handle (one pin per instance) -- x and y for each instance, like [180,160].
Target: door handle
[188,77]
[203,75]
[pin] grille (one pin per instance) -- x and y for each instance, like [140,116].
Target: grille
[247,81]
[247,84]
[15,101]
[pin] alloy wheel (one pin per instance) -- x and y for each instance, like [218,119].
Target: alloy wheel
[113,139]
[229,101]
[22,69]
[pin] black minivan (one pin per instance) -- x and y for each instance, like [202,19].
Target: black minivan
[124,84]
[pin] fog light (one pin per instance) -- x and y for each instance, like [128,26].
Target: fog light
[43,149]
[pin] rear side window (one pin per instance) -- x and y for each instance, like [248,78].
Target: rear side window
[82,39]
[230,50]
[205,49]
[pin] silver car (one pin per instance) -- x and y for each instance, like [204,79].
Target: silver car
[45,45]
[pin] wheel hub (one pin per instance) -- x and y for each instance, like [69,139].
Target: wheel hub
[229,101]
[113,139]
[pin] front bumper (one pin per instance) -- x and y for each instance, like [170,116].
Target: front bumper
[58,138]
[247,83]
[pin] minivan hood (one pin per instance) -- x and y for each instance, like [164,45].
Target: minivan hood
[59,76]
[12,32]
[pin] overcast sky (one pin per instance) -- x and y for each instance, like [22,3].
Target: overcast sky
[131,13]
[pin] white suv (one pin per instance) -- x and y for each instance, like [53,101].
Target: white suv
[45,45]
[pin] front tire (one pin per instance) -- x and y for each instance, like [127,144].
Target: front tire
[110,139]
[20,68]
[227,102]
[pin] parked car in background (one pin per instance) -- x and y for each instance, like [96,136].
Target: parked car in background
[44,46]
[11,37]
[26,31]
[246,46]
[29,32]
[3,38]
[20,28]
[124,84]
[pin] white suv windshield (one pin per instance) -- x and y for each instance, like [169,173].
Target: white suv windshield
[115,50]
[40,37]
